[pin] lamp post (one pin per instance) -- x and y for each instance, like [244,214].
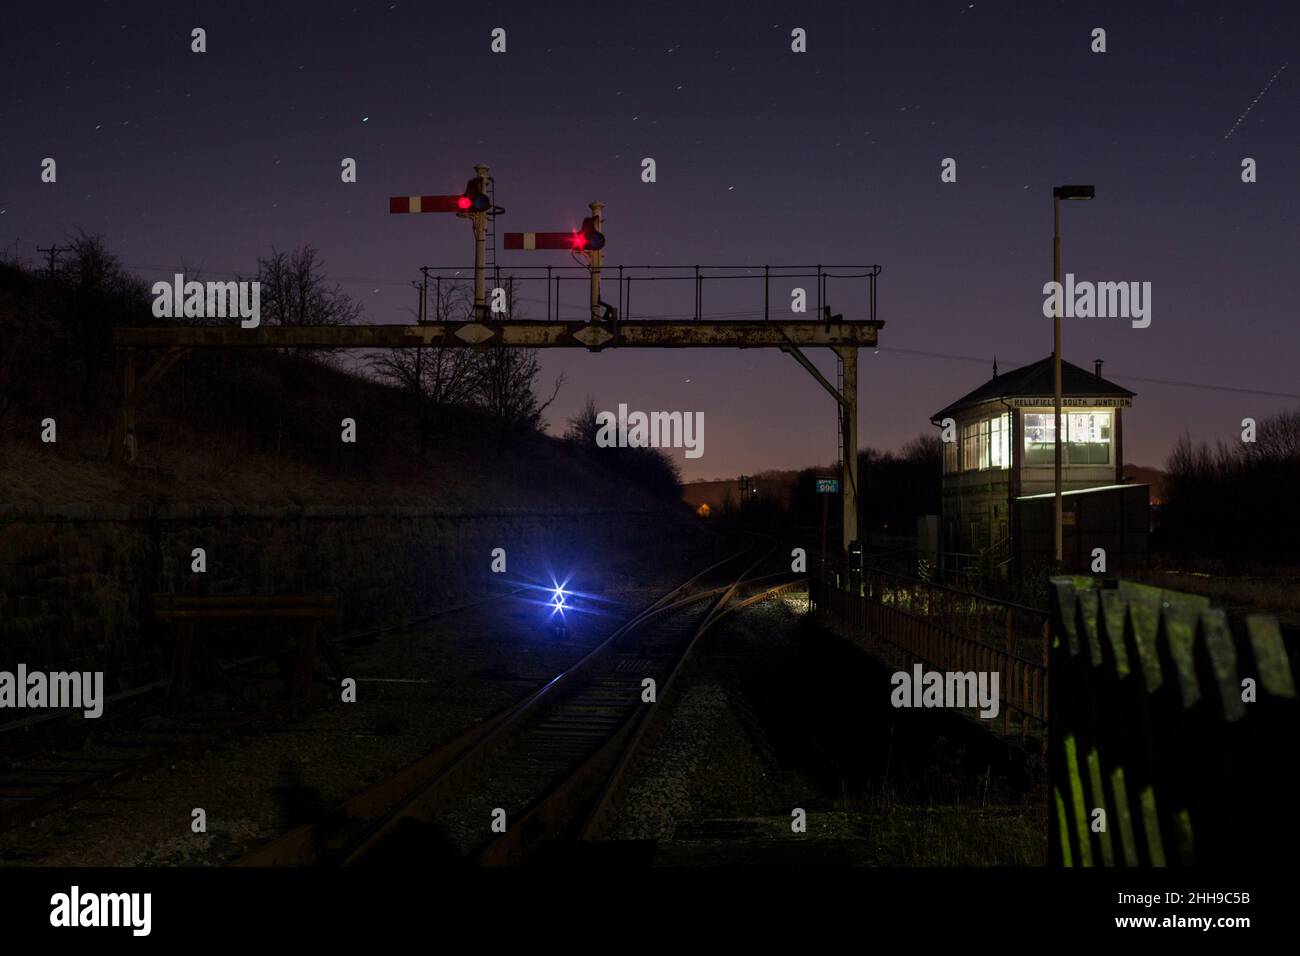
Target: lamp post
[1059,193]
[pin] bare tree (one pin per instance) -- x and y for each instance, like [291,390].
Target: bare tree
[505,378]
[499,380]
[583,427]
[439,376]
[91,270]
[98,294]
[295,290]
[924,449]
[1236,499]
[12,256]
[652,469]
[1277,438]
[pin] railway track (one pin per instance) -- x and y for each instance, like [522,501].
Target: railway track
[37,779]
[547,769]
[54,760]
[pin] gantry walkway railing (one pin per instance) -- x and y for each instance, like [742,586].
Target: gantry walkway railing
[690,292]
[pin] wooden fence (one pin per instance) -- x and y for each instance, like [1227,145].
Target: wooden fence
[986,620]
[915,621]
[1152,725]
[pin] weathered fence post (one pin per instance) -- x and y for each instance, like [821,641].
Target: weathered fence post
[1148,726]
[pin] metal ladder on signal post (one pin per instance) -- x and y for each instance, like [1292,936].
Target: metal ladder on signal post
[491,264]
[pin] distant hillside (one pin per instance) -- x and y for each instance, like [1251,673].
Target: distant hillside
[1154,477]
[769,485]
[781,486]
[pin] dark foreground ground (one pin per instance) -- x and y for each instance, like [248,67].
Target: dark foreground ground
[778,716]
[417,687]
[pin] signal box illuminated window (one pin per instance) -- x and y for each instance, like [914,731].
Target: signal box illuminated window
[1087,438]
[986,444]
[1000,442]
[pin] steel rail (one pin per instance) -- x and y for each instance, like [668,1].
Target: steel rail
[555,811]
[650,723]
[358,825]
[422,805]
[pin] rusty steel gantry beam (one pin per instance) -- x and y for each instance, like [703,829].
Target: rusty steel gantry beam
[514,333]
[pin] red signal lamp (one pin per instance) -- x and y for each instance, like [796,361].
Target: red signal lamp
[473,199]
[588,237]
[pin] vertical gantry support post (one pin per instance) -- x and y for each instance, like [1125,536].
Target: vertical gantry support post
[479,220]
[597,260]
[422,316]
[849,479]
[124,446]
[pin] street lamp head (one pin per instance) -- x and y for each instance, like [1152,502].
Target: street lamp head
[1074,192]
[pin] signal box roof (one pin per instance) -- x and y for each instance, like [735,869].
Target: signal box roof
[1031,381]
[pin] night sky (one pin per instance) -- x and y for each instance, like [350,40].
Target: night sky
[190,162]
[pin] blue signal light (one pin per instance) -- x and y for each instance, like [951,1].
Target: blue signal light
[565,602]
[558,605]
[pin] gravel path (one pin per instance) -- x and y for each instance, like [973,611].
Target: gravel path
[720,784]
[714,759]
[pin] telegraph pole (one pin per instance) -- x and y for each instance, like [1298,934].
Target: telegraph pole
[54,252]
[1058,522]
